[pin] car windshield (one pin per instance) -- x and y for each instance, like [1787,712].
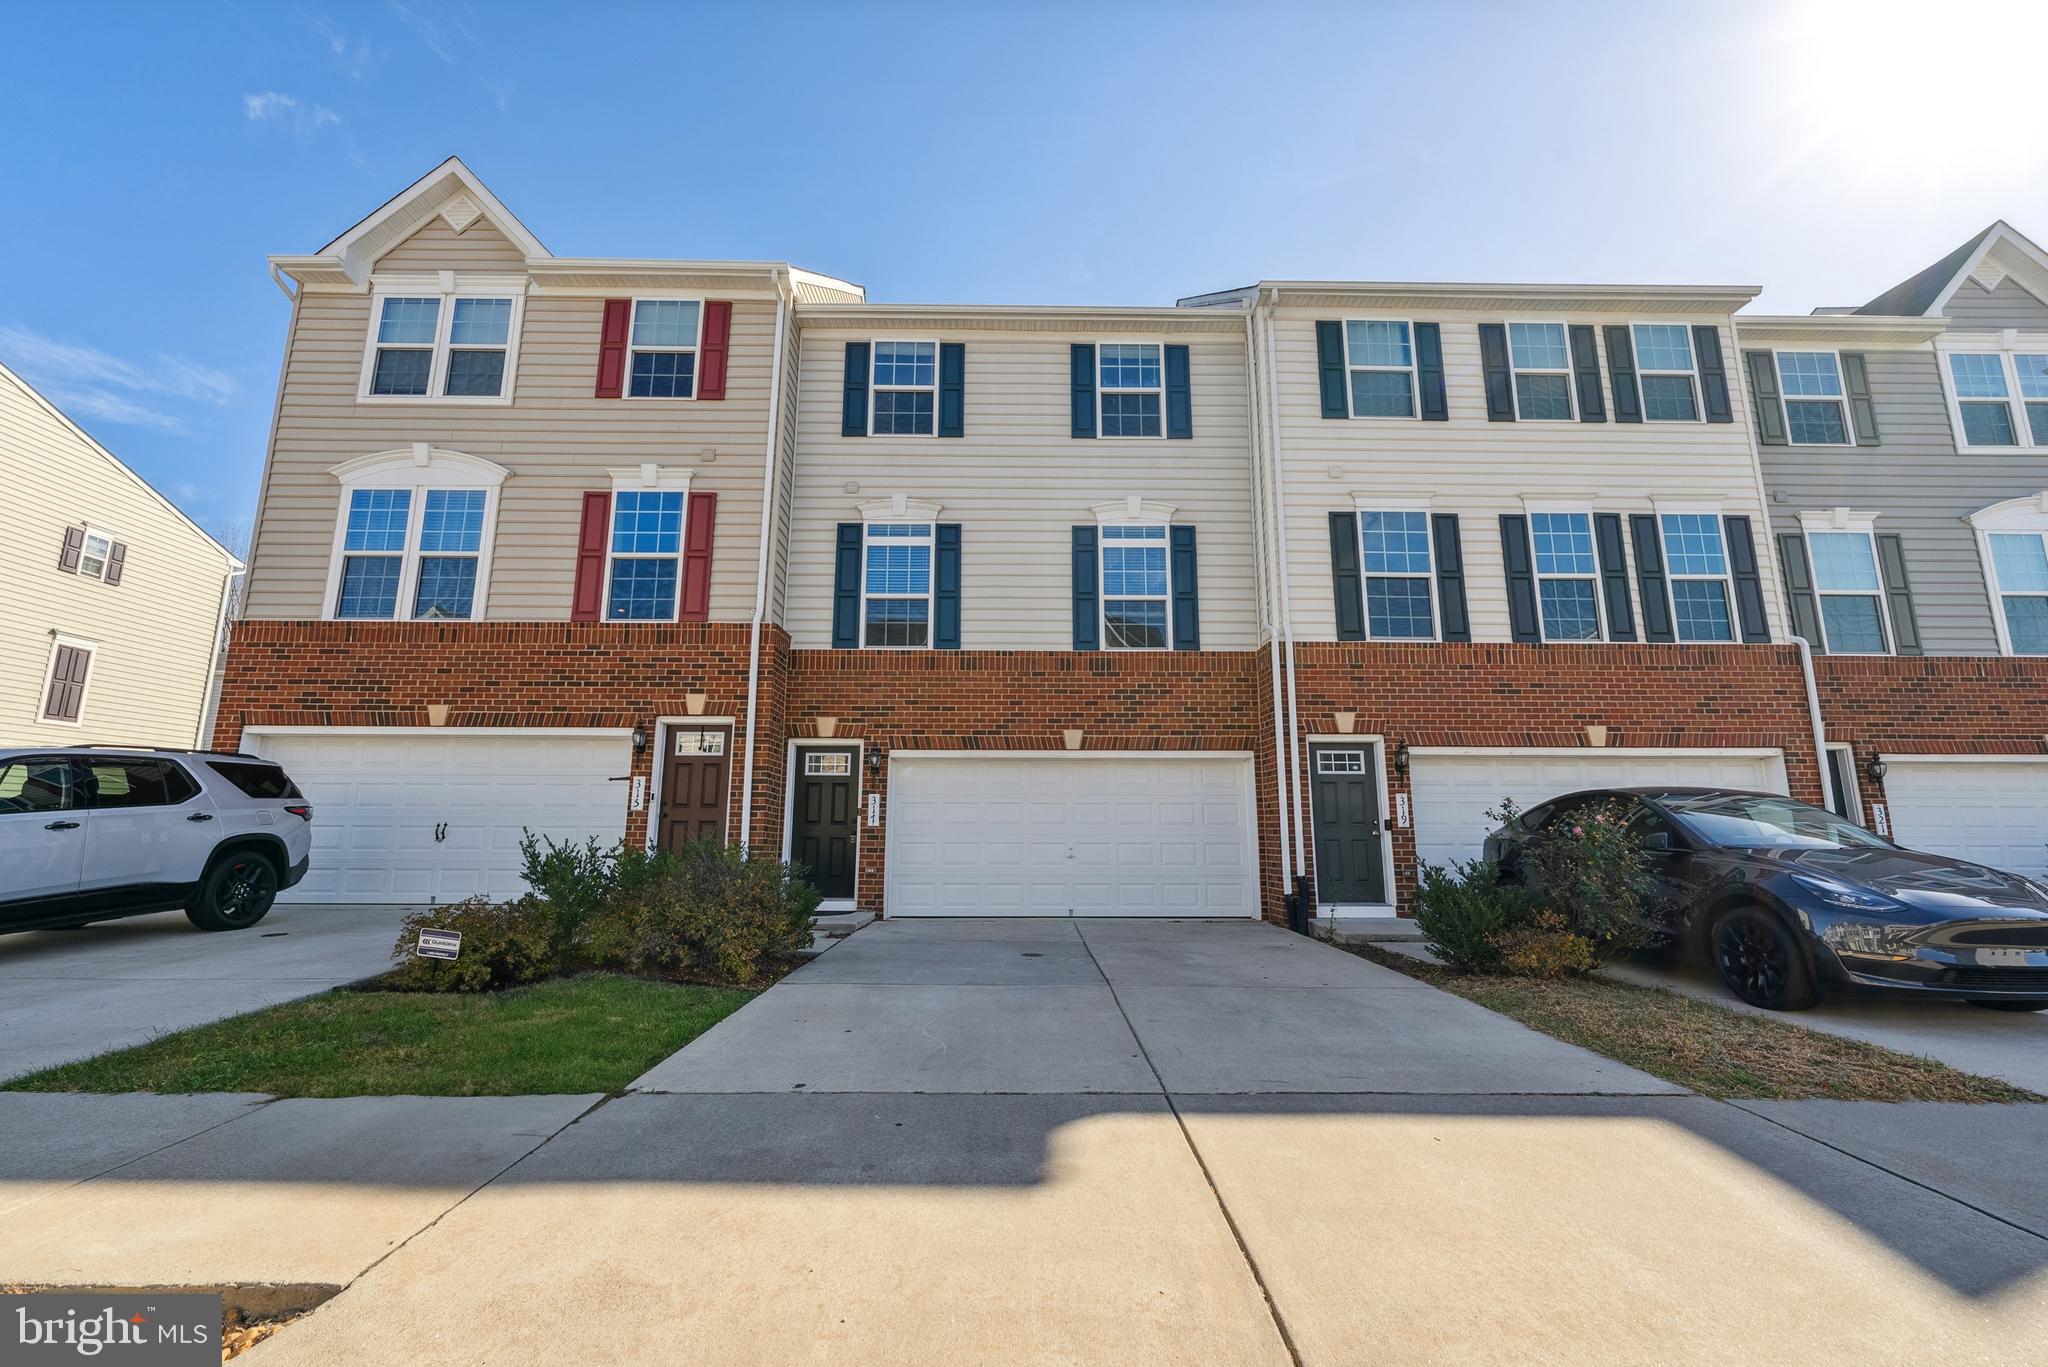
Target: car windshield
[1752,821]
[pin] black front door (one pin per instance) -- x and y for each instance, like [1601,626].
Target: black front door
[1344,798]
[822,835]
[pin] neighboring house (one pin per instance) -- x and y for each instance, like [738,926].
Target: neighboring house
[1905,446]
[110,614]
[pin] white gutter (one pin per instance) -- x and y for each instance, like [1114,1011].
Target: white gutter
[1266,581]
[1829,797]
[1286,594]
[782,293]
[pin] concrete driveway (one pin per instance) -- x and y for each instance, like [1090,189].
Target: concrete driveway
[71,994]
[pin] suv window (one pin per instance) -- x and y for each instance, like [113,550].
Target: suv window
[138,783]
[255,780]
[41,784]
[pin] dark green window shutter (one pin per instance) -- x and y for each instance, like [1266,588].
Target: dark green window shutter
[1081,368]
[1344,558]
[1500,385]
[1862,412]
[1330,369]
[1450,577]
[952,389]
[1525,622]
[1607,541]
[1180,402]
[1183,581]
[1706,347]
[853,399]
[1429,373]
[1749,580]
[1799,594]
[1650,585]
[1898,593]
[946,586]
[846,585]
[1586,374]
[1087,617]
[1763,387]
[1621,378]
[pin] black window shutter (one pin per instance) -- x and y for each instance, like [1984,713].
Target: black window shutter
[1180,402]
[1330,369]
[1706,347]
[1898,594]
[846,588]
[1650,585]
[946,586]
[853,398]
[1344,560]
[1450,577]
[1087,619]
[1081,369]
[74,548]
[1862,412]
[1763,386]
[1183,580]
[1500,385]
[1621,376]
[117,556]
[1586,374]
[1800,598]
[1524,622]
[1607,540]
[952,389]
[1429,373]
[1749,580]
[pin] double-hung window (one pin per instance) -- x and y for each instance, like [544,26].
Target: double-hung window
[94,554]
[663,342]
[646,555]
[373,552]
[2031,369]
[1697,563]
[1398,579]
[1985,384]
[906,388]
[1134,586]
[1542,366]
[451,538]
[1380,357]
[1567,575]
[414,535]
[1816,412]
[896,585]
[1131,387]
[2019,561]
[1851,595]
[1664,369]
[450,345]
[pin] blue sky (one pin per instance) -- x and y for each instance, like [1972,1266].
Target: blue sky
[1086,153]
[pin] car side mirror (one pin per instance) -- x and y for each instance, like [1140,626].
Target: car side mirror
[1658,842]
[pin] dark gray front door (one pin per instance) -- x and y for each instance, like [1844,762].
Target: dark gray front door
[821,834]
[1344,796]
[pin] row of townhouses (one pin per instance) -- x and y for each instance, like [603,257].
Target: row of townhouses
[1124,611]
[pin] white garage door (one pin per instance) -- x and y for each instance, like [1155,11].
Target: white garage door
[1453,793]
[1054,836]
[1992,812]
[412,817]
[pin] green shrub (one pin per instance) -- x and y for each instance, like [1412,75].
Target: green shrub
[1545,948]
[1594,873]
[704,912]
[572,881]
[503,944]
[1464,909]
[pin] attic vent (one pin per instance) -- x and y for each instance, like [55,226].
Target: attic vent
[461,211]
[1988,274]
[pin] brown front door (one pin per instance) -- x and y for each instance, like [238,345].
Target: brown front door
[693,787]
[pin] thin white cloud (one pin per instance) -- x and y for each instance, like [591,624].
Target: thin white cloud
[88,383]
[429,32]
[353,58]
[273,106]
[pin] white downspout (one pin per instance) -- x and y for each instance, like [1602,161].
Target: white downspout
[1829,797]
[1286,594]
[768,499]
[1280,788]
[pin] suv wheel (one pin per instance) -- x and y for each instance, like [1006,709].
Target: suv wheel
[1760,961]
[236,892]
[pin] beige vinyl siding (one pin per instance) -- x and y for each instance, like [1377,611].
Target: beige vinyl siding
[154,633]
[437,247]
[1480,469]
[1019,482]
[1973,308]
[785,469]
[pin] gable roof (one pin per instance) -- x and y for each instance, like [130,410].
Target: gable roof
[1928,291]
[450,189]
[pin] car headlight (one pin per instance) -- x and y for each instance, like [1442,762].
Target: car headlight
[1867,937]
[1844,895]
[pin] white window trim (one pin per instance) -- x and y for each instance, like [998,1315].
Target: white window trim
[2013,517]
[1853,523]
[644,479]
[1699,390]
[1412,370]
[448,286]
[92,669]
[1515,372]
[901,510]
[1853,798]
[1363,503]
[696,349]
[2003,345]
[1787,399]
[92,530]
[1102,585]
[419,468]
[1726,579]
[1102,390]
[1585,510]
[876,387]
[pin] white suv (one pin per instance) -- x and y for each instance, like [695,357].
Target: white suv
[90,833]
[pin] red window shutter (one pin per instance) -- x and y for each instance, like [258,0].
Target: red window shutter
[590,547]
[714,349]
[611,350]
[698,524]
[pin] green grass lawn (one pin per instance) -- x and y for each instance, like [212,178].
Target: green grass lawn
[591,1033]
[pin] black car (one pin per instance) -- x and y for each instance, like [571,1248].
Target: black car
[1786,900]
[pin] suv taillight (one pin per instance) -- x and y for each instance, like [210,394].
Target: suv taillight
[301,812]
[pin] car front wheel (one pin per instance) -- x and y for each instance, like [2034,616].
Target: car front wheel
[236,893]
[1760,962]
